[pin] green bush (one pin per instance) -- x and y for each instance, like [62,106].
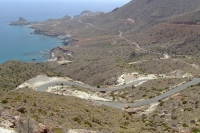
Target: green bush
[77,119]
[144,95]
[4,101]
[88,123]
[185,125]
[57,130]
[188,109]
[174,117]
[184,102]
[195,130]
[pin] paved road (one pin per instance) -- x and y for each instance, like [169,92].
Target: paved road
[118,104]
[155,99]
[44,87]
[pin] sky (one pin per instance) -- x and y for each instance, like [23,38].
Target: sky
[118,1]
[54,8]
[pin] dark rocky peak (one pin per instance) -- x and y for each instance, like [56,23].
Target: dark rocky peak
[85,11]
[22,19]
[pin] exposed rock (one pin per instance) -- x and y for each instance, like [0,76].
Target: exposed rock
[3,130]
[43,129]
[5,123]
[192,121]
[21,21]
[88,13]
[60,54]
[21,110]
[126,107]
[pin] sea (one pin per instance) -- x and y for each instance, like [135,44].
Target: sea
[16,42]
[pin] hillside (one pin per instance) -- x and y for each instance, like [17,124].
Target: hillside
[26,110]
[155,41]
[161,26]
[147,22]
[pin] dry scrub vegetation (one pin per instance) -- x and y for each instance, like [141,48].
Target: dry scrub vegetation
[68,112]
[147,90]
[14,73]
[179,113]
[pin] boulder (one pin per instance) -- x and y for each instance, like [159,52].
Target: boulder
[21,110]
[126,107]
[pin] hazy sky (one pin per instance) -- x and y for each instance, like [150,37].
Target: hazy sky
[31,9]
[118,1]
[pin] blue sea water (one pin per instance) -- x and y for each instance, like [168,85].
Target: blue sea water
[16,42]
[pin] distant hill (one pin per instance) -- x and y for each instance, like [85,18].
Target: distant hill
[159,22]
[150,23]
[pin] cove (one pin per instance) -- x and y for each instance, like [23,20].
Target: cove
[16,43]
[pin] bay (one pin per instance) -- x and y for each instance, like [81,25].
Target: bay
[16,42]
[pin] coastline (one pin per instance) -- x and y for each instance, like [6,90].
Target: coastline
[23,40]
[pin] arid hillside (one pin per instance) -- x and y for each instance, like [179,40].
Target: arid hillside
[152,42]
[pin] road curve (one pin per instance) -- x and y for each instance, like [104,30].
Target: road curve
[118,104]
[155,99]
[44,87]
[120,35]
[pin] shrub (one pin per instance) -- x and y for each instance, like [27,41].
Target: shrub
[57,130]
[144,95]
[188,109]
[88,123]
[174,117]
[4,101]
[77,119]
[185,125]
[195,130]
[184,102]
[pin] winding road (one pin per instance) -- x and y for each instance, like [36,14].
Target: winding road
[152,100]
[44,87]
[194,81]
[120,35]
[118,104]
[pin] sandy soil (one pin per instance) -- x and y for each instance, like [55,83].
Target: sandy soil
[151,109]
[131,77]
[3,130]
[66,91]
[137,62]
[166,56]
[127,78]
[5,123]
[64,62]
[41,80]
[187,75]
[80,131]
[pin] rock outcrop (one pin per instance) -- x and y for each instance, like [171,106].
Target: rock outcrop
[21,21]
[42,129]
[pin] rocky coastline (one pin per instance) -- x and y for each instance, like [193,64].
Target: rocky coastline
[21,21]
[49,28]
